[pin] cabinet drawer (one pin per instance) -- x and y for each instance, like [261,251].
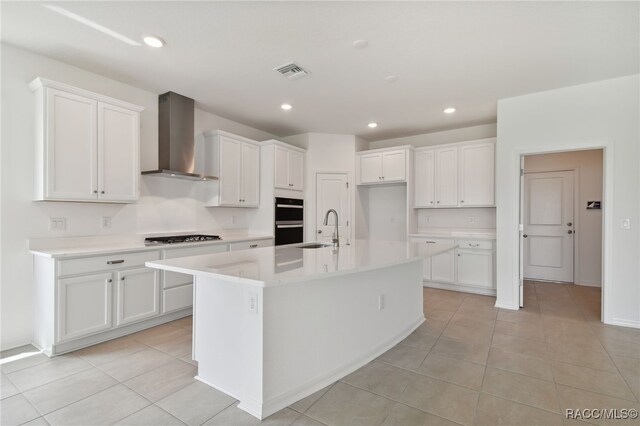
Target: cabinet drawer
[427,240]
[475,244]
[106,263]
[177,298]
[250,244]
[174,279]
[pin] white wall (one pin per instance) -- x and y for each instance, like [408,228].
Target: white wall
[483,218]
[587,167]
[579,117]
[387,211]
[165,204]
[435,138]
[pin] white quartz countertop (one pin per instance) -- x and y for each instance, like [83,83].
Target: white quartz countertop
[485,234]
[271,266]
[99,247]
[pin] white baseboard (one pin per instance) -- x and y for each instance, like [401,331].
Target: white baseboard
[589,283]
[507,306]
[624,323]
[460,288]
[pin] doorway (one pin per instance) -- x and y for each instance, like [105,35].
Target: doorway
[332,192]
[562,220]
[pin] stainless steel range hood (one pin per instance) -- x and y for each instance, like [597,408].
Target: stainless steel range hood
[176,143]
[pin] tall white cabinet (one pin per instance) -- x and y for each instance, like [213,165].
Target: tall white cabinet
[87,145]
[289,168]
[378,166]
[235,160]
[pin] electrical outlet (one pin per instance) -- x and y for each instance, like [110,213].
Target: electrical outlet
[234,220]
[381,302]
[57,223]
[472,219]
[626,224]
[427,219]
[105,222]
[253,302]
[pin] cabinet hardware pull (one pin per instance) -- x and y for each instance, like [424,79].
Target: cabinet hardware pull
[253,246]
[122,279]
[462,201]
[569,223]
[95,191]
[569,231]
[115,262]
[525,235]
[430,242]
[474,245]
[102,192]
[438,201]
[110,280]
[458,254]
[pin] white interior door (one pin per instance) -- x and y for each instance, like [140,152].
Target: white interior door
[332,192]
[548,226]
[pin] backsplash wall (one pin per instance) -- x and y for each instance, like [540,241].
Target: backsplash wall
[478,218]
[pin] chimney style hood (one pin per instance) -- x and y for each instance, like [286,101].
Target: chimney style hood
[176,142]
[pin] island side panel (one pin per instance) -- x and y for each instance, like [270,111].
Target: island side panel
[318,331]
[228,338]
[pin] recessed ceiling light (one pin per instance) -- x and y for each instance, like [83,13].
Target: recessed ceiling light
[449,110]
[286,107]
[153,41]
[373,125]
[360,44]
[391,78]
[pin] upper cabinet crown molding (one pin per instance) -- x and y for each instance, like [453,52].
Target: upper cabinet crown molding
[88,145]
[385,165]
[283,145]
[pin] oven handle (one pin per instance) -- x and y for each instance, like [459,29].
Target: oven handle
[289,206]
[289,226]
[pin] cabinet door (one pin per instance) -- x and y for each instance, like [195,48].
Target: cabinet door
[424,179]
[250,175]
[371,168]
[296,170]
[394,166]
[426,264]
[70,147]
[230,164]
[477,175]
[475,267]
[443,267]
[84,305]
[281,179]
[447,177]
[137,295]
[118,153]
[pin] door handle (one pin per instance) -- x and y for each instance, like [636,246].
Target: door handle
[525,236]
[569,223]
[569,231]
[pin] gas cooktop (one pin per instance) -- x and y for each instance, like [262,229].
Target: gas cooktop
[175,239]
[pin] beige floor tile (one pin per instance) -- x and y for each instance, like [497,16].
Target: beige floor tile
[596,359]
[516,387]
[150,416]
[7,388]
[431,327]
[481,336]
[449,305]
[453,402]
[179,346]
[195,403]
[347,405]
[618,347]
[306,421]
[438,314]
[494,411]
[186,322]
[572,398]
[502,359]
[598,381]
[461,350]
[404,356]
[525,330]
[40,421]
[164,380]
[420,341]
[613,332]
[453,370]
[188,358]
[519,316]
[402,415]
[304,404]
[159,334]
[55,369]
[473,322]
[630,370]
[382,379]
[106,407]
[519,345]
[55,395]
[233,416]
[478,311]
[108,351]
[16,410]
[135,364]
[479,300]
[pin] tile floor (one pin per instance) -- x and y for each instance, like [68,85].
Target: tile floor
[469,364]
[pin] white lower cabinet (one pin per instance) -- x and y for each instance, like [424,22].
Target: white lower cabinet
[475,267]
[177,298]
[443,267]
[84,305]
[137,295]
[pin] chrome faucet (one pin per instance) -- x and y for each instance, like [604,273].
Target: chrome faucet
[335,239]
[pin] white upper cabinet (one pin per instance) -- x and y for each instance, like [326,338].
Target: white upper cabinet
[477,175]
[456,175]
[425,173]
[447,177]
[235,160]
[289,168]
[382,166]
[87,145]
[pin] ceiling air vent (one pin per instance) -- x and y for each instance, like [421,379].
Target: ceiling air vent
[291,70]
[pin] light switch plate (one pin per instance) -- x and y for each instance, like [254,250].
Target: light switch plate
[57,223]
[626,223]
[105,222]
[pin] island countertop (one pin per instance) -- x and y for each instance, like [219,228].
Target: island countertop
[271,266]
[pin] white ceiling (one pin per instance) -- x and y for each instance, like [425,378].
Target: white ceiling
[465,54]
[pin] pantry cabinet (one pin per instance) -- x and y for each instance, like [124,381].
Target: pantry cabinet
[455,175]
[382,166]
[87,145]
[289,168]
[235,160]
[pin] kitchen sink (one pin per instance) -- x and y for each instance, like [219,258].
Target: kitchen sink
[315,246]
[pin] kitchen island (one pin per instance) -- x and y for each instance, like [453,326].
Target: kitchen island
[273,325]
